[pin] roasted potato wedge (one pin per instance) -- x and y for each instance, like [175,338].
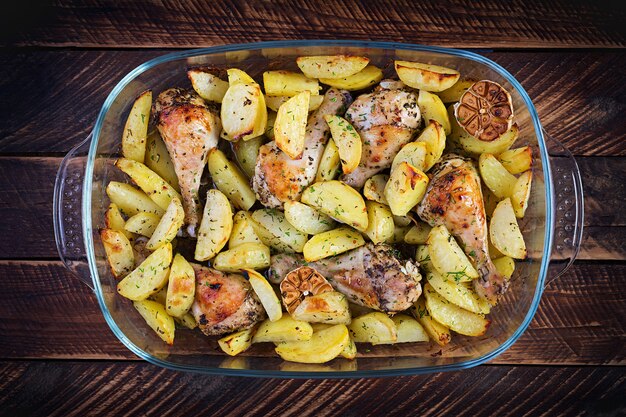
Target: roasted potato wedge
[113,220]
[458,293]
[230,180]
[323,346]
[287,83]
[374,188]
[447,256]
[367,77]
[169,225]
[398,234]
[157,318]
[380,225]
[521,193]
[418,234]
[187,321]
[408,330]
[454,317]
[267,295]
[306,219]
[339,201]
[434,137]
[349,352]
[236,76]
[402,220]
[504,231]
[426,76]
[422,256]
[290,125]
[242,232]
[432,108]
[158,159]
[405,189]
[489,200]
[142,223]
[243,256]
[247,152]
[285,329]
[159,190]
[375,328]
[347,140]
[269,128]
[271,226]
[414,153]
[136,128]
[329,164]
[454,93]
[119,252]
[237,342]
[331,243]
[331,66]
[215,226]
[274,102]
[181,287]
[505,265]
[208,86]
[149,277]
[328,307]
[437,331]
[517,160]
[243,112]
[500,181]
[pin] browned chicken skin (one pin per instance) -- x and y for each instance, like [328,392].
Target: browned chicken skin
[371,276]
[454,199]
[224,302]
[189,129]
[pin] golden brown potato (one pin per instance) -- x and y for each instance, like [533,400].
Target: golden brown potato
[237,342]
[149,277]
[426,76]
[505,265]
[215,226]
[158,159]
[243,113]
[331,66]
[247,152]
[274,102]
[339,201]
[157,318]
[447,256]
[329,164]
[432,108]
[517,160]
[230,180]
[267,295]
[380,227]
[136,128]
[367,77]
[453,316]
[328,307]
[323,346]
[331,243]
[374,188]
[159,190]
[504,231]
[181,287]
[418,234]
[500,181]
[434,137]
[290,125]
[119,252]
[113,220]
[414,153]
[271,226]
[306,219]
[437,331]
[208,86]
[521,193]
[142,223]
[375,328]
[287,83]
[285,329]
[243,256]
[168,226]
[242,232]
[347,140]
[405,189]
[458,293]
[408,330]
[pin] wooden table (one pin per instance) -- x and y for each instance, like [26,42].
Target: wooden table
[60,61]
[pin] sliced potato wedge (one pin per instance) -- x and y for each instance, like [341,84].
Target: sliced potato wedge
[269,128]
[454,317]
[517,160]
[331,243]
[454,93]
[504,231]
[437,331]
[208,86]
[215,226]
[426,76]
[243,256]
[306,219]
[422,256]
[375,328]
[458,293]
[339,201]
[414,153]
[159,190]
[287,83]
[274,102]
[398,234]
[329,164]
[328,307]
[242,232]
[447,256]
[323,346]
[169,225]
[521,193]
[380,225]
[237,342]
[349,352]
[405,189]
[290,125]
[432,108]
[408,330]
[489,200]
[347,140]
[149,277]
[495,176]
[187,321]
[236,76]
[374,188]
[230,180]
[367,77]
[243,112]
[434,137]
[505,266]
[271,226]
[247,152]
[181,287]
[157,318]
[113,220]
[402,220]
[285,329]
[265,292]
[418,234]
[331,66]
[142,223]
[136,128]
[158,159]
[119,252]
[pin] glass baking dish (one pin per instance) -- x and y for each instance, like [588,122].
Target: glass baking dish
[554,214]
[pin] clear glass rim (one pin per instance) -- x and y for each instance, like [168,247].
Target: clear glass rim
[89,243]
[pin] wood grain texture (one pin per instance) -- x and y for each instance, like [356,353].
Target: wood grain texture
[116,389]
[577,106]
[485,23]
[27,190]
[47,313]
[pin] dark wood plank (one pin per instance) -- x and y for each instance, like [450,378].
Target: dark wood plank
[483,23]
[47,313]
[116,389]
[26,199]
[579,100]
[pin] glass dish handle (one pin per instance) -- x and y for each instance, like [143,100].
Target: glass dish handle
[568,208]
[67,215]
